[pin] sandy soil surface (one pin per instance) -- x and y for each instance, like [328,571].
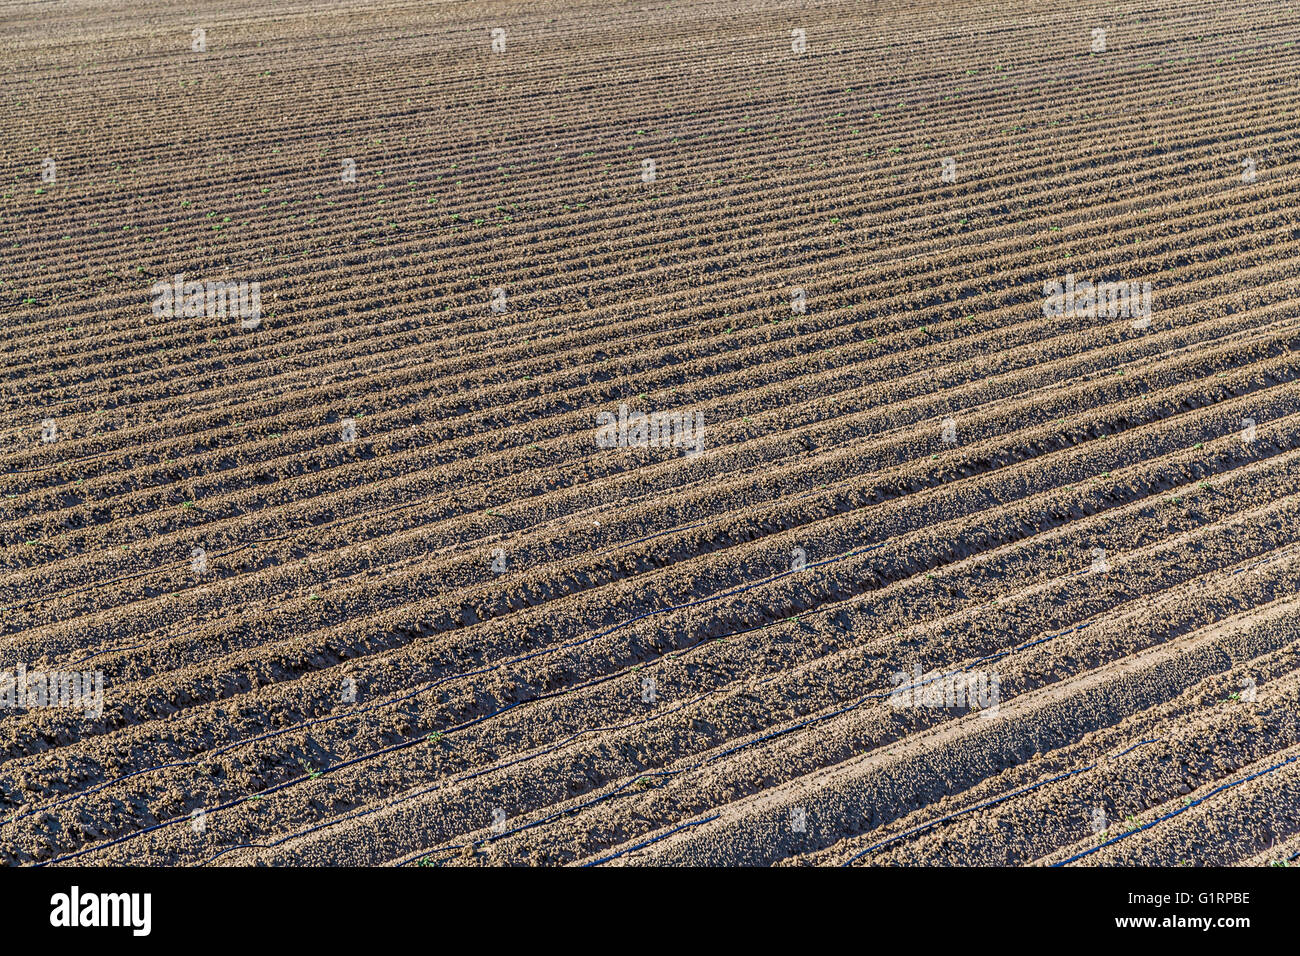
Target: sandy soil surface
[916,571]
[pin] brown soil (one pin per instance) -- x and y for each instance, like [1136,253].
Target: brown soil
[649,678]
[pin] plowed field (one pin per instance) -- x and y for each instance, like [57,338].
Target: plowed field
[912,567]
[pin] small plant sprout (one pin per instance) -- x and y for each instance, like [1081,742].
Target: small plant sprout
[498,303]
[199,40]
[498,563]
[498,40]
[798,559]
[349,689]
[798,301]
[348,431]
[799,40]
[647,170]
[349,174]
